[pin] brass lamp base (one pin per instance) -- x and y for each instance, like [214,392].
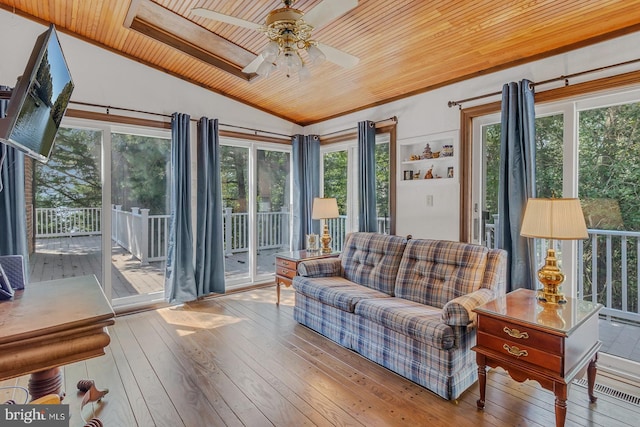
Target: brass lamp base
[326,240]
[551,278]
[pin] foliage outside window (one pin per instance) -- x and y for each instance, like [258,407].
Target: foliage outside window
[139,169]
[609,170]
[71,178]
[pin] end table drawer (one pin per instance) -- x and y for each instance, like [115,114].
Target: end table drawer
[521,352]
[281,262]
[522,336]
[286,272]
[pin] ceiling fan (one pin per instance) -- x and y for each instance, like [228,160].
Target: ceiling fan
[289,33]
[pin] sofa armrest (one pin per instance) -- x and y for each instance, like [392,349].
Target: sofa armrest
[459,311]
[324,267]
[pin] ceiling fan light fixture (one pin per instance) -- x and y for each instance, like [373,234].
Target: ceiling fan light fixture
[271,51]
[289,34]
[289,61]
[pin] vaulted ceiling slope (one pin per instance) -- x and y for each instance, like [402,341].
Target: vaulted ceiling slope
[405,47]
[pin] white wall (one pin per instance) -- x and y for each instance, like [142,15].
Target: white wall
[428,113]
[102,77]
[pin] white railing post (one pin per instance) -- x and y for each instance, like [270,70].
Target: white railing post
[132,234]
[144,236]
[284,227]
[117,224]
[227,231]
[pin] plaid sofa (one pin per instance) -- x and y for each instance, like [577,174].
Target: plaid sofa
[406,305]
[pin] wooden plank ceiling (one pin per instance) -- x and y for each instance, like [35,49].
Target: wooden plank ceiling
[405,47]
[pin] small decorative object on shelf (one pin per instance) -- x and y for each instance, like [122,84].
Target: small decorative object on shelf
[436,154]
[450,172]
[427,154]
[416,174]
[429,174]
[408,175]
[414,157]
[447,151]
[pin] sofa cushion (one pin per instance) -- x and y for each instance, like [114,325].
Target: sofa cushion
[433,272]
[337,292]
[415,320]
[372,260]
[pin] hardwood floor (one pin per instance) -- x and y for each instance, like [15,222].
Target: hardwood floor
[241,360]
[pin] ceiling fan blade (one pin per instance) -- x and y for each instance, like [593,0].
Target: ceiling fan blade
[252,67]
[338,56]
[327,11]
[216,16]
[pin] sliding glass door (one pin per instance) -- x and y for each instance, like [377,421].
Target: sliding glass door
[140,166]
[256,191]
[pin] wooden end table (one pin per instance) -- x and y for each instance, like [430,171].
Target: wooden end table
[548,343]
[287,265]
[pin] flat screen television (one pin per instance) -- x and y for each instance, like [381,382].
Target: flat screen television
[39,100]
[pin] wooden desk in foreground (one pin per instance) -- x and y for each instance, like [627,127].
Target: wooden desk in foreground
[51,324]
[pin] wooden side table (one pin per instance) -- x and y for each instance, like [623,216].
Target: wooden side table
[548,343]
[287,265]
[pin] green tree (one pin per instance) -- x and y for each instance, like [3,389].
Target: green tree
[273,179]
[335,178]
[382,180]
[71,178]
[609,157]
[139,170]
[234,167]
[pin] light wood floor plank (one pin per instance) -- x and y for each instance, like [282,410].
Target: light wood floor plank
[188,399]
[160,403]
[227,399]
[273,363]
[142,415]
[232,377]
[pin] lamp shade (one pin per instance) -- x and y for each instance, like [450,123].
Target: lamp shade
[324,208]
[558,219]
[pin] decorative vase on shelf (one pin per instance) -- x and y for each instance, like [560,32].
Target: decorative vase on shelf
[427,154]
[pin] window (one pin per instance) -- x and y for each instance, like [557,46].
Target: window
[339,178]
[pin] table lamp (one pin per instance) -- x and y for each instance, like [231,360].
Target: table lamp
[325,208]
[553,219]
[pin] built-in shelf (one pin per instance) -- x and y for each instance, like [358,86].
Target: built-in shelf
[443,168]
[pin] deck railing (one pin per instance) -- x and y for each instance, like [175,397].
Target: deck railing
[145,236]
[608,270]
[338,230]
[62,222]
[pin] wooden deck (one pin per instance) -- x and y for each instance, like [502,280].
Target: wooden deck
[75,256]
[57,258]
[241,360]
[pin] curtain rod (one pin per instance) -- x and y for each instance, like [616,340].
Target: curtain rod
[109,107]
[392,119]
[555,79]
